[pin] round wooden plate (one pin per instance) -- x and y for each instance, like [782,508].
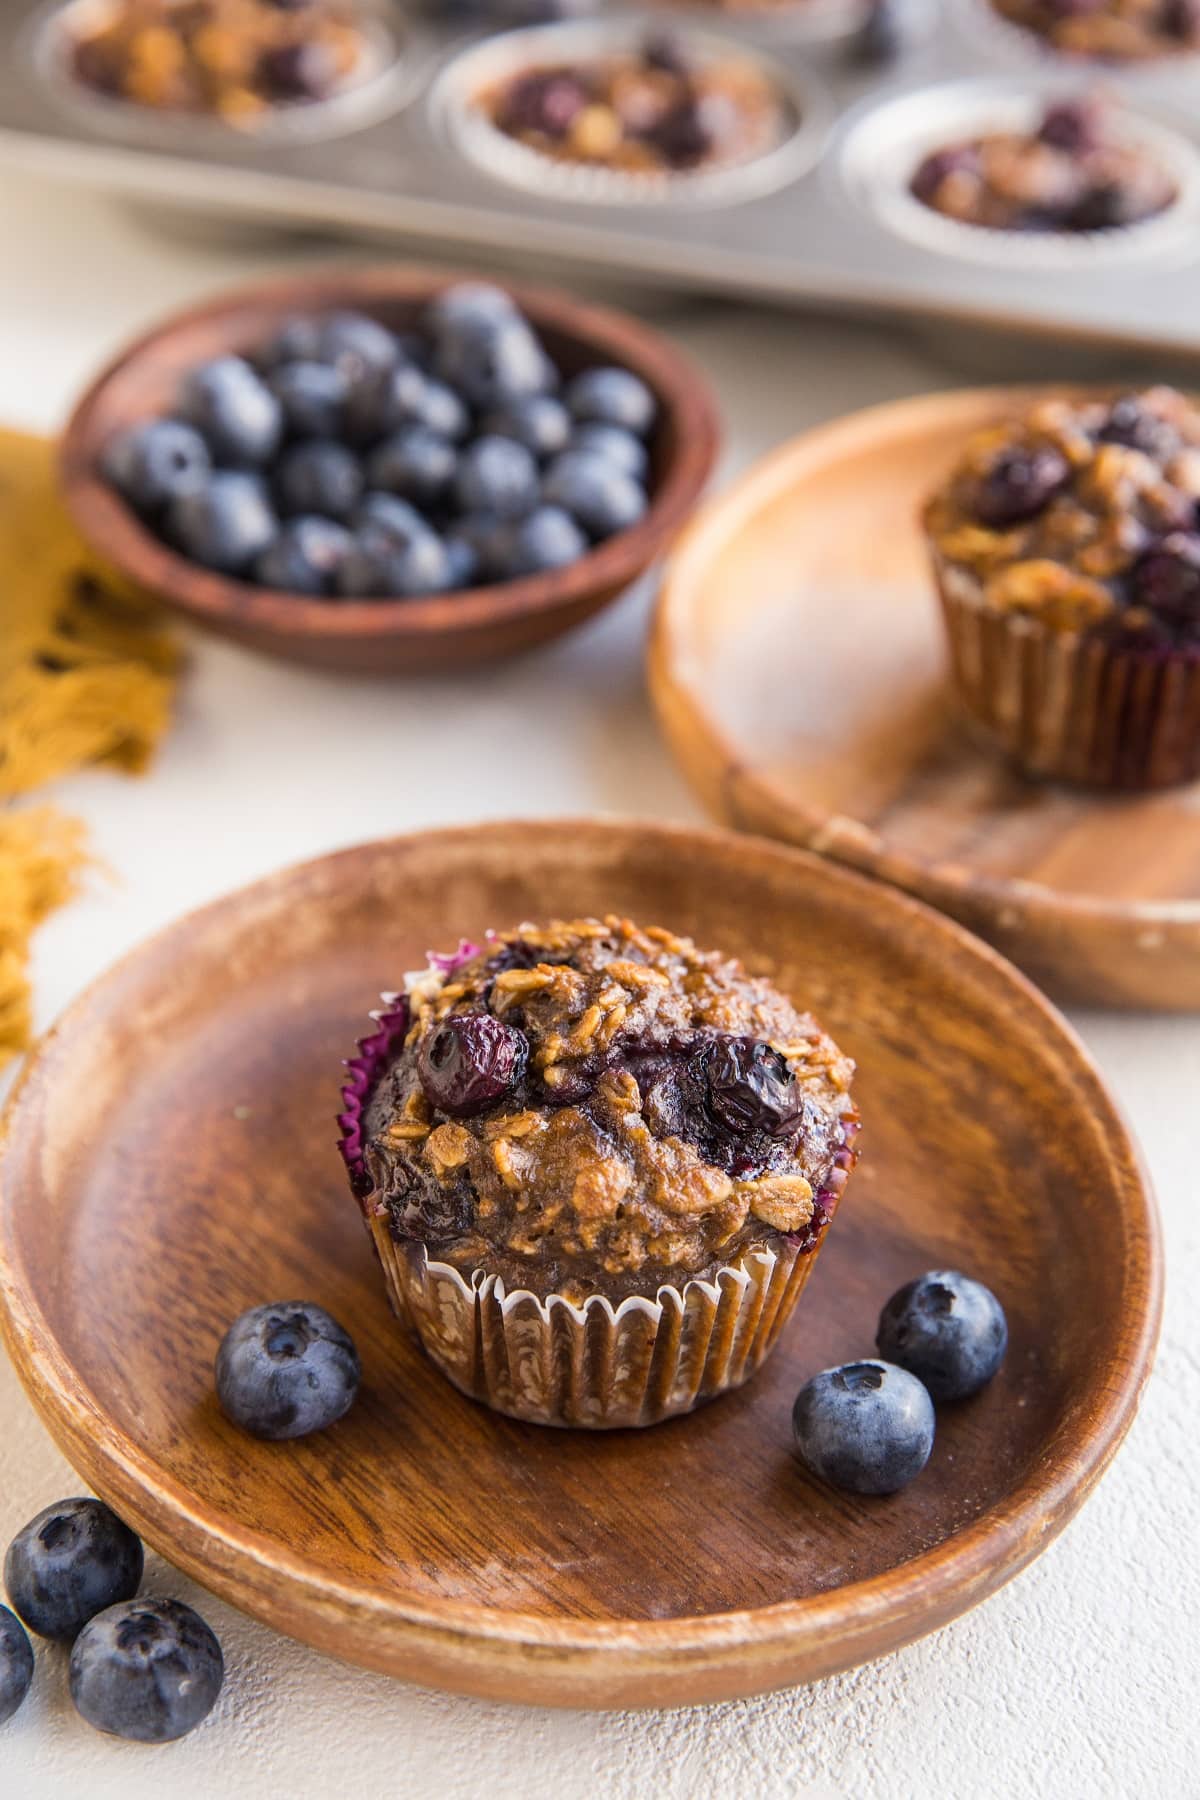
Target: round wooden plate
[169,1160]
[798,669]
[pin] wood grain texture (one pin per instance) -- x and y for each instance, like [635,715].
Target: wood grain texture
[798,667]
[382,636]
[169,1159]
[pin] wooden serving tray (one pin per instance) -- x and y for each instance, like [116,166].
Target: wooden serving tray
[798,669]
[169,1160]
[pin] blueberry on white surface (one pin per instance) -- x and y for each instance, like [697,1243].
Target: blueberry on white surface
[319,476]
[949,1330]
[866,1427]
[305,557]
[68,1563]
[226,524]
[615,443]
[612,397]
[149,1670]
[16,1664]
[496,475]
[313,396]
[286,1369]
[233,409]
[601,496]
[415,463]
[153,463]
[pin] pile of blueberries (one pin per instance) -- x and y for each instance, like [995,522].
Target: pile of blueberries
[348,461]
[868,1426]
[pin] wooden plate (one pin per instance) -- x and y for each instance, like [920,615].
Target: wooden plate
[170,1160]
[798,669]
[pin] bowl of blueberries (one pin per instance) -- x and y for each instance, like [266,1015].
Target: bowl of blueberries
[389,470]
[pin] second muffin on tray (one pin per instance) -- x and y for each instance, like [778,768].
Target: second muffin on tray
[597,1164]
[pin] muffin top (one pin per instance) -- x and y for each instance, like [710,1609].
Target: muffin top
[1070,173]
[1084,514]
[592,1107]
[1109,30]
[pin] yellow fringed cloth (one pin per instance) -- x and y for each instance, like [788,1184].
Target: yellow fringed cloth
[86,676]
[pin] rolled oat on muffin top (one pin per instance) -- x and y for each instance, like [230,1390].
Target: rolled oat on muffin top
[596,1108]
[1083,514]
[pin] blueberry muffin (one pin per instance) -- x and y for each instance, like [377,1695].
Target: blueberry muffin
[1066,548]
[1109,30]
[1071,173]
[597,1164]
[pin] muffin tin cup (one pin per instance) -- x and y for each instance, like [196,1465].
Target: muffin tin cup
[381,85]
[1069,706]
[595,1366]
[883,151]
[804,117]
[791,22]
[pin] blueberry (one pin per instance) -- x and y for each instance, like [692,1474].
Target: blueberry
[1134,425]
[614,443]
[593,490]
[382,564]
[313,397]
[466,306]
[16,1664]
[947,1330]
[497,475]
[305,557]
[548,538]
[382,400]
[287,73]
[297,340]
[156,461]
[750,1087]
[415,463]
[226,524]
[539,421]
[1075,126]
[612,397]
[68,1563]
[546,101]
[235,411]
[1019,485]
[1166,579]
[285,1370]
[939,166]
[469,1061]
[397,516]
[463,558]
[149,1670]
[484,540]
[319,476]
[494,363]
[866,1427]
[355,344]
[443,411]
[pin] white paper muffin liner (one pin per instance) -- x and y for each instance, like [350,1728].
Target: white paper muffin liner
[804,118]
[380,86]
[887,145]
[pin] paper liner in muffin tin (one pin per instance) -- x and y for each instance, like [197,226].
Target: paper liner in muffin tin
[381,84]
[1068,705]
[803,119]
[884,148]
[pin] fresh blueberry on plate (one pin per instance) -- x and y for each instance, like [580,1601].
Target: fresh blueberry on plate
[319,476]
[948,1330]
[305,557]
[548,538]
[226,524]
[149,1670]
[68,1563]
[285,1370]
[313,397]
[539,421]
[415,463]
[612,397]
[616,444]
[497,475]
[233,409]
[595,491]
[866,1427]
[151,464]
[16,1664]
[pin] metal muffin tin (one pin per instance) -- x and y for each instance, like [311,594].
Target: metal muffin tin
[386,161]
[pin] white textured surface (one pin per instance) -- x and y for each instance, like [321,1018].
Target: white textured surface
[1079,1680]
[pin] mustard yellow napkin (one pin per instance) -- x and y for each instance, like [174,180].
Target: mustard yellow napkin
[86,676]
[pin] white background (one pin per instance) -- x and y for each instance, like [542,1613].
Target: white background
[1080,1679]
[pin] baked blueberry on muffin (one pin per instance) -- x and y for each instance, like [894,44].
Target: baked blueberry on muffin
[1109,30]
[1072,173]
[1066,547]
[597,1163]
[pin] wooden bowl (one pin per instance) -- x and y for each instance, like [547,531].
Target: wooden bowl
[381,636]
[170,1160]
[798,666]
